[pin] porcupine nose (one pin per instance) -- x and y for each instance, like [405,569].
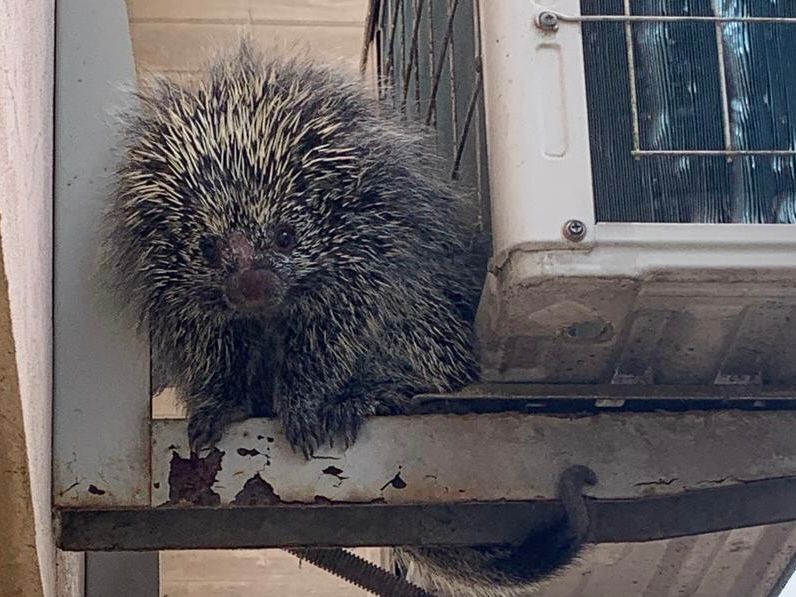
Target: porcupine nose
[250,289]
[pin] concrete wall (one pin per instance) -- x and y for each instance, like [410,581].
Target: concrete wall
[26,96]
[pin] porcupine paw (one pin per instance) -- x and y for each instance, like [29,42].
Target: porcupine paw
[207,425]
[333,424]
[342,421]
[302,431]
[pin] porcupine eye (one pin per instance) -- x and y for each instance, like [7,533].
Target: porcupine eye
[284,237]
[210,250]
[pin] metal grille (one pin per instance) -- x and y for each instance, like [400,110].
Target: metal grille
[692,108]
[551,19]
[426,55]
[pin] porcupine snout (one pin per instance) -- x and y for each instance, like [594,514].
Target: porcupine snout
[252,285]
[250,289]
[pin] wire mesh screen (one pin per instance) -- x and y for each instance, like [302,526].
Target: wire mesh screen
[427,58]
[692,109]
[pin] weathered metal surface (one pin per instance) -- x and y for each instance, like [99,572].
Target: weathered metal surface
[101,373]
[262,523]
[656,326]
[458,458]
[562,398]
[321,525]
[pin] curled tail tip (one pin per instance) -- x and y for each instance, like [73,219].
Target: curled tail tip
[576,477]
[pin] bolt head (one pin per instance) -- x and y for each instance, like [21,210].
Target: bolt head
[547,20]
[574,230]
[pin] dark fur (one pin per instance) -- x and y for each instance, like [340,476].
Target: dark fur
[372,305]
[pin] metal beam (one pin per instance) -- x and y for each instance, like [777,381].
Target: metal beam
[483,457]
[329,525]
[100,370]
[458,479]
[594,398]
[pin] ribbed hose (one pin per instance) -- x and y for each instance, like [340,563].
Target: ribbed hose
[359,572]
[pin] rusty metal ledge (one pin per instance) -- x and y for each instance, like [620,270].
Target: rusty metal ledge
[756,503]
[595,398]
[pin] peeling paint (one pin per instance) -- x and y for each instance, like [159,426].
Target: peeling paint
[451,458]
[396,482]
[191,479]
[256,492]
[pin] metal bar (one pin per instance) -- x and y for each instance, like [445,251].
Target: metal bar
[467,120]
[391,46]
[417,51]
[631,72]
[565,18]
[725,102]
[759,503]
[628,19]
[482,171]
[100,446]
[359,572]
[597,391]
[372,23]
[437,75]
[412,53]
[714,152]
[703,511]
[594,405]
[452,5]
[431,49]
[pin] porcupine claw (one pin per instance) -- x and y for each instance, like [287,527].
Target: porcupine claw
[206,426]
[301,433]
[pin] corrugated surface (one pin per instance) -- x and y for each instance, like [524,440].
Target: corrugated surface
[740,563]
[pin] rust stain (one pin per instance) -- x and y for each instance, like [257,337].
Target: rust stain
[191,479]
[259,492]
[256,492]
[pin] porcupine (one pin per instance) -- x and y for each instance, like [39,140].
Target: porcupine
[294,249]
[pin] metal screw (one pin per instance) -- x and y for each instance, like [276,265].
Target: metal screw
[547,20]
[574,230]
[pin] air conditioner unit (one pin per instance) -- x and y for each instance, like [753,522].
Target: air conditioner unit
[642,184]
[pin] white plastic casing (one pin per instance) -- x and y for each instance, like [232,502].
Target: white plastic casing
[630,303]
